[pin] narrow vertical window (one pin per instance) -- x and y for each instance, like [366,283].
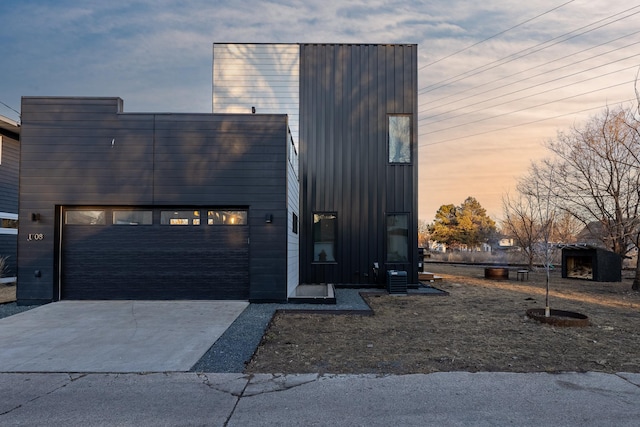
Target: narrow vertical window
[324,237]
[399,139]
[397,238]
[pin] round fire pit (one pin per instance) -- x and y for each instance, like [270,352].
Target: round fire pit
[558,317]
[496,273]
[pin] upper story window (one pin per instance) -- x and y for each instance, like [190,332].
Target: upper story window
[399,139]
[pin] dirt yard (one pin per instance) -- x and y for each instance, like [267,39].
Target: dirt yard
[7,293]
[480,326]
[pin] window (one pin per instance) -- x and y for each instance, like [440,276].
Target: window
[181,217]
[295,224]
[85,217]
[8,223]
[324,237]
[226,217]
[399,139]
[132,217]
[398,238]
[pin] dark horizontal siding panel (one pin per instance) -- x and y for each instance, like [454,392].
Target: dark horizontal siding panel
[34,176]
[220,186]
[223,139]
[88,182]
[104,151]
[257,199]
[84,120]
[213,192]
[230,147]
[172,121]
[45,137]
[130,199]
[164,162]
[250,170]
[69,104]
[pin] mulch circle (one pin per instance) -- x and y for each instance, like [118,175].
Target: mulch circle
[558,317]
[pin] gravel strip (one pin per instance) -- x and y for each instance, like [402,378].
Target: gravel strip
[233,350]
[11,308]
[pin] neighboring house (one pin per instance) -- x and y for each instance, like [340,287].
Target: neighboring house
[119,205]
[9,162]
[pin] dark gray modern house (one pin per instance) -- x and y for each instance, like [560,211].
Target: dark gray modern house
[9,159]
[305,172]
[353,110]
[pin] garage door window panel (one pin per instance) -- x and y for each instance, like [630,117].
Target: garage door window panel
[132,217]
[85,217]
[226,217]
[180,217]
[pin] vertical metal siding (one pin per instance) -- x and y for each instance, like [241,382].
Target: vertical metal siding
[347,91]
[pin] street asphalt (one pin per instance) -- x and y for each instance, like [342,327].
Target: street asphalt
[130,363]
[199,399]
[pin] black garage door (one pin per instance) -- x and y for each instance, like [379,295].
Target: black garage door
[185,253]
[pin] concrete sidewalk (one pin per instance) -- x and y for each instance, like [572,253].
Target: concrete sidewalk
[440,399]
[113,336]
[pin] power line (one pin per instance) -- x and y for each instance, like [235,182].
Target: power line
[530,87]
[15,111]
[494,36]
[519,124]
[533,68]
[529,108]
[513,57]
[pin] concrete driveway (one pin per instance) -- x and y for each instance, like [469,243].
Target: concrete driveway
[113,336]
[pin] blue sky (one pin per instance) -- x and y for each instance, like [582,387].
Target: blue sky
[484,111]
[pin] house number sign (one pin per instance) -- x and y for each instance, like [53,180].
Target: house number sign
[35,236]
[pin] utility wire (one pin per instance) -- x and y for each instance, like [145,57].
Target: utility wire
[519,124]
[527,88]
[529,108]
[533,68]
[494,36]
[15,111]
[523,53]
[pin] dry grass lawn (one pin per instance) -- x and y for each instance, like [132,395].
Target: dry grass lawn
[480,326]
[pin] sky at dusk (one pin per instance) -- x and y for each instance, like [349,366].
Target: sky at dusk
[496,78]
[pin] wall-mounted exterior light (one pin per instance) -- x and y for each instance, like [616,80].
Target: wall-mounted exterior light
[35,216]
[268,218]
